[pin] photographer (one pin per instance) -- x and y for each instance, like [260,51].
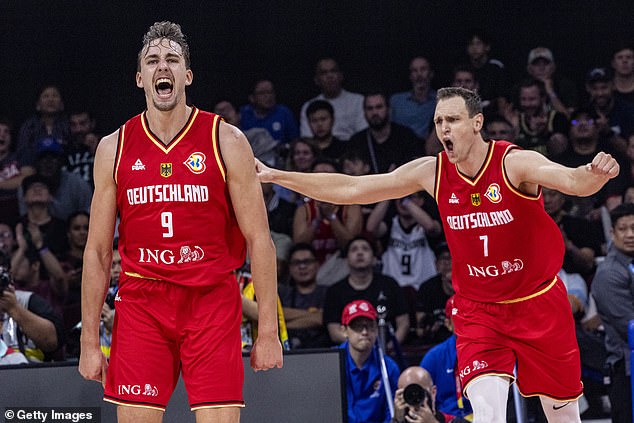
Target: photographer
[415,398]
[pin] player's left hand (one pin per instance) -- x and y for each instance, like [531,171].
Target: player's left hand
[266,353]
[604,164]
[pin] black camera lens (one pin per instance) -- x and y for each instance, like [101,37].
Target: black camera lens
[415,395]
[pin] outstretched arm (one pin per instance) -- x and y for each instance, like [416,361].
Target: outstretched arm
[338,188]
[528,168]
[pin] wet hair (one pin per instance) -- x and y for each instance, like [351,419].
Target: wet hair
[471,98]
[318,105]
[170,31]
[622,210]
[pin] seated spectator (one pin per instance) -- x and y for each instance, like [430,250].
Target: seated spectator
[384,144]
[80,154]
[321,119]
[12,173]
[302,154]
[614,116]
[432,298]
[264,112]
[538,126]
[419,404]
[364,283]
[303,300]
[498,128]
[7,241]
[407,256]
[348,106]
[414,109]
[612,290]
[48,122]
[328,227]
[229,112]
[365,387]
[280,211]
[623,66]
[69,192]
[561,91]
[8,356]
[29,324]
[441,362]
[73,258]
[582,238]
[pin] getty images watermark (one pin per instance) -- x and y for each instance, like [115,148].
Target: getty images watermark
[52,414]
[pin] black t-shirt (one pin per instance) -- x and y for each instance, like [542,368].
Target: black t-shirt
[431,300]
[383,290]
[311,337]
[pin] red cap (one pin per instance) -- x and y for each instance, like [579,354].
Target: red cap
[357,308]
[449,307]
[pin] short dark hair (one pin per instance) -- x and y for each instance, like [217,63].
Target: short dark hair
[373,93]
[622,210]
[169,30]
[318,105]
[325,160]
[6,122]
[480,33]
[346,249]
[471,98]
[301,246]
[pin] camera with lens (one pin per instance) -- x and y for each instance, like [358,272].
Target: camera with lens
[415,395]
[5,279]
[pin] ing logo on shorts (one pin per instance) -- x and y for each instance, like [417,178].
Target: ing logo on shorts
[148,390]
[476,365]
[196,162]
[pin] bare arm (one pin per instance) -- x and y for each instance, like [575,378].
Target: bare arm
[15,182]
[402,327]
[40,330]
[248,204]
[526,169]
[338,188]
[335,330]
[98,257]
[300,319]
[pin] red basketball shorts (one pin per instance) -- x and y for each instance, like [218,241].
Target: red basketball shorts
[537,334]
[161,329]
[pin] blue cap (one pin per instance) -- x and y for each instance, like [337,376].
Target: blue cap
[49,145]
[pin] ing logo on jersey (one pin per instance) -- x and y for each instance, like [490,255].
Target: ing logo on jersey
[475,199]
[493,193]
[166,170]
[196,162]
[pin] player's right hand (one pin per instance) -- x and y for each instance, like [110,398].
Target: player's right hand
[93,364]
[263,172]
[266,353]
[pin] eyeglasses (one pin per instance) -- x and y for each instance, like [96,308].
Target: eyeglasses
[576,122]
[358,325]
[304,262]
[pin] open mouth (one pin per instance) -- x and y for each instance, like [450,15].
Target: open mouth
[163,87]
[448,145]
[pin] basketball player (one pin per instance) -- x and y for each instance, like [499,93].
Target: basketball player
[506,253]
[185,187]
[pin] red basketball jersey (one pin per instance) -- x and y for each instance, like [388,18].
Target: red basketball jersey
[177,221]
[503,244]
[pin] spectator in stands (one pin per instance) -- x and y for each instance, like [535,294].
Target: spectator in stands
[492,76]
[228,111]
[422,412]
[263,111]
[280,211]
[303,300]
[498,128]
[12,173]
[69,192]
[384,144]
[321,119]
[49,121]
[561,92]
[348,106]
[441,362]
[364,283]
[29,324]
[582,238]
[432,298]
[80,154]
[7,241]
[73,258]
[328,227]
[623,66]
[414,109]
[365,387]
[614,294]
[614,116]
[537,125]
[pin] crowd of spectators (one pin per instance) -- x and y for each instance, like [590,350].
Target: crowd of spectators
[391,254]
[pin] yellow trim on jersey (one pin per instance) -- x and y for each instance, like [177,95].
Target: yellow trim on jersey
[510,185]
[438,172]
[482,169]
[119,153]
[172,144]
[215,131]
[528,297]
[152,407]
[464,389]
[137,275]
[200,407]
